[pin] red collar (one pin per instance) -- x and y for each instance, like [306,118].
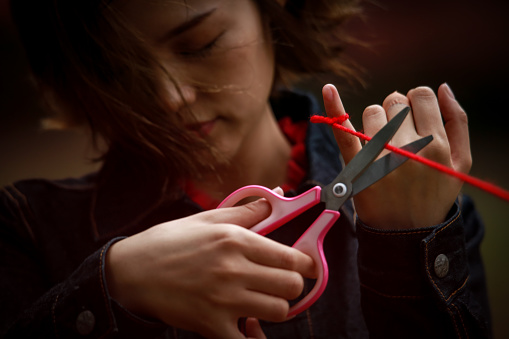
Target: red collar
[295,132]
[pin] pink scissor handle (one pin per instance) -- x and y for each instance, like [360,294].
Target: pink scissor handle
[310,242]
[283,209]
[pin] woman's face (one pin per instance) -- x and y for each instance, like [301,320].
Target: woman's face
[221,57]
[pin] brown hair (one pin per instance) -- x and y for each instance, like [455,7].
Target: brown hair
[309,37]
[93,68]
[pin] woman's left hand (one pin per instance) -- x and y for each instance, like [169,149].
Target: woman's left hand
[414,195]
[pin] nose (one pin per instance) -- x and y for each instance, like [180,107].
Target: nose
[180,96]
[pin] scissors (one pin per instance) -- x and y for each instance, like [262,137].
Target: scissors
[361,172]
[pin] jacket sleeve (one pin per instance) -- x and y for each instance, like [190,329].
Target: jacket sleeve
[425,283]
[31,306]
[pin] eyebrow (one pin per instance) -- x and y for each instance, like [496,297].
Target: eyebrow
[187,25]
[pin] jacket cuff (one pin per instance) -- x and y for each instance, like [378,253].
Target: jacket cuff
[83,306]
[414,263]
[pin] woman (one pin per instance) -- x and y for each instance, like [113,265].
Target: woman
[186,96]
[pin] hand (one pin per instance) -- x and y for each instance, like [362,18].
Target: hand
[253,329]
[202,273]
[414,195]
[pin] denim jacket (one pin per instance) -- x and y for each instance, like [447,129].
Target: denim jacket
[418,283]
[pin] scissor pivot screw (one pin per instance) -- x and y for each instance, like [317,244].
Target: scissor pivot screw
[339,190]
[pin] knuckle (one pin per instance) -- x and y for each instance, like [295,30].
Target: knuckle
[394,99]
[347,141]
[251,208]
[230,237]
[421,92]
[227,240]
[279,310]
[226,269]
[461,117]
[257,210]
[468,163]
[295,285]
[258,206]
[287,260]
[218,300]
[465,163]
[437,149]
[372,111]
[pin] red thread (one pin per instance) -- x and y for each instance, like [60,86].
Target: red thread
[486,186]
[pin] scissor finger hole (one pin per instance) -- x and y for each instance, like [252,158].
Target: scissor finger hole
[247,200]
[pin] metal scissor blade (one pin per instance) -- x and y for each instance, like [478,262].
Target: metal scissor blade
[361,161]
[387,164]
[373,148]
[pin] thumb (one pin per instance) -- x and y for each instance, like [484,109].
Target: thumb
[348,144]
[246,215]
[253,329]
[456,127]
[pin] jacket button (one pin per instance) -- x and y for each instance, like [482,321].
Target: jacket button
[85,322]
[441,265]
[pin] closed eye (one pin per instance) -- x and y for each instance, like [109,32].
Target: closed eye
[204,51]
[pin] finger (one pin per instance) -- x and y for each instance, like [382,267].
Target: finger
[373,119]
[227,330]
[268,252]
[245,216]
[279,191]
[278,282]
[426,112]
[264,251]
[348,144]
[456,127]
[254,330]
[262,306]
[395,99]
[222,326]
[393,104]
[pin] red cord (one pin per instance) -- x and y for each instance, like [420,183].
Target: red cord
[486,186]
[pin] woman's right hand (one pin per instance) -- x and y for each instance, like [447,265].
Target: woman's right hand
[204,272]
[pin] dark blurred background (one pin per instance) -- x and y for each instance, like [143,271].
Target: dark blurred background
[464,43]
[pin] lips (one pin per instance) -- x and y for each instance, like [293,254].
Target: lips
[203,128]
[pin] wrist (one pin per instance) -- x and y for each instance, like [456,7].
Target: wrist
[118,280]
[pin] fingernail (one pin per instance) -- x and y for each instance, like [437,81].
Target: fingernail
[449,91]
[278,190]
[327,92]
